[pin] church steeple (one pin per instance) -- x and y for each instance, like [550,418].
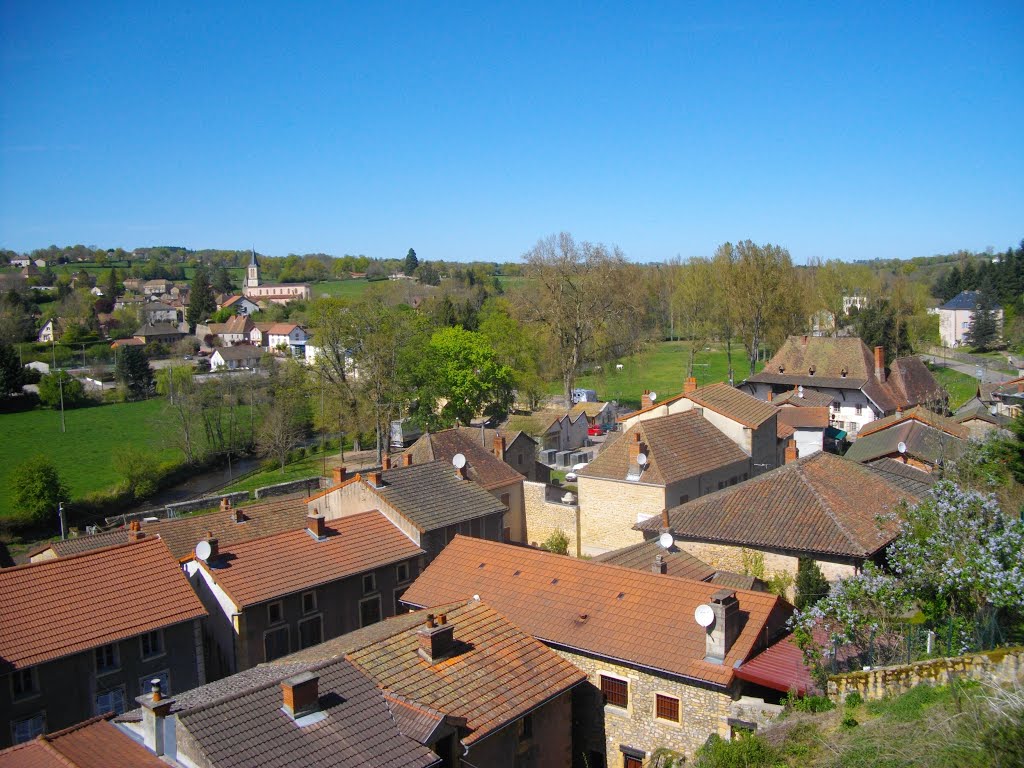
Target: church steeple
[252,275]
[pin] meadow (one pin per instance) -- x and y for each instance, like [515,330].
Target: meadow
[345,289]
[960,386]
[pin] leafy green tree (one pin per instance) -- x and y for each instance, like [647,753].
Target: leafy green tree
[37,490]
[51,386]
[137,469]
[411,262]
[428,274]
[983,331]
[11,372]
[516,346]
[811,584]
[877,326]
[557,542]
[201,302]
[113,285]
[132,369]
[222,280]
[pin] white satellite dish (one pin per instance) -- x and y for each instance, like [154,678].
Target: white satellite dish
[641,459]
[458,461]
[666,540]
[800,391]
[901,447]
[204,550]
[654,396]
[704,615]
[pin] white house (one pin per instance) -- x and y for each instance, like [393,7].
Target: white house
[241,305]
[289,335]
[20,262]
[230,358]
[50,331]
[956,314]
[159,312]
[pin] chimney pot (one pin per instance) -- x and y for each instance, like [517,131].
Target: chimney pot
[499,447]
[238,516]
[791,451]
[406,459]
[880,364]
[315,525]
[436,641]
[386,464]
[689,385]
[770,395]
[338,475]
[645,399]
[225,504]
[375,479]
[301,695]
[442,619]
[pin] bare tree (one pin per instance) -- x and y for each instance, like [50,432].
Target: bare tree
[693,302]
[277,434]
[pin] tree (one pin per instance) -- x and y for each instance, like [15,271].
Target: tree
[811,584]
[584,297]
[515,345]
[693,304]
[113,285]
[201,301]
[133,371]
[222,280]
[983,331]
[38,489]
[459,377]
[61,390]
[761,280]
[11,372]
[411,262]
[137,469]
[877,326]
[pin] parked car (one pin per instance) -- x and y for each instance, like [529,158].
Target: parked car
[571,476]
[596,430]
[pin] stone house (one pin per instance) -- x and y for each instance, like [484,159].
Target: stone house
[240,304]
[484,467]
[956,315]
[598,414]
[918,438]
[431,503]
[159,312]
[156,287]
[83,635]
[979,419]
[655,677]
[519,451]
[860,384]
[807,414]
[270,596]
[166,333]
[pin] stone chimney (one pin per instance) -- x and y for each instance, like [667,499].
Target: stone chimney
[880,364]
[338,475]
[214,547]
[660,566]
[301,695]
[407,459]
[689,385]
[437,638]
[155,709]
[386,465]
[315,526]
[499,447]
[791,452]
[645,399]
[722,633]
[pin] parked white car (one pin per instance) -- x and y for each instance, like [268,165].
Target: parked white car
[570,476]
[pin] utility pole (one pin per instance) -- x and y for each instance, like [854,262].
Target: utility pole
[60,385]
[60,514]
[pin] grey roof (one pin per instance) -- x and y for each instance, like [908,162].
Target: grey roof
[904,476]
[240,352]
[966,300]
[432,496]
[84,543]
[641,557]
[975,409]
[921,441]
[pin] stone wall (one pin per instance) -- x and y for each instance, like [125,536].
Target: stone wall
[544,517]
[207,502]
[1001,666]
[609,509]
[308,485]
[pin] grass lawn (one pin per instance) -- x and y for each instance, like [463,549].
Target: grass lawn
[310,466]
[345,289]
[960,386]
[661,368]
[83,453]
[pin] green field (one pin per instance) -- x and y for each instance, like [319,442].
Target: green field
[83,453]
[661,368]
[310,466]
[960,386]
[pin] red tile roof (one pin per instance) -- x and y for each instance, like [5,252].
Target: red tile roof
[266,568]
[921,414]
[632,616]
[59,607]
[780,667]
[94,743]
[809,417]
[484,467]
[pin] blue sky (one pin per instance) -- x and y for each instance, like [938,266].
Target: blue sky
[471,131]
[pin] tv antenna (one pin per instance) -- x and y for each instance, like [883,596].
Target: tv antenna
[901,447]
[654,396]
[641,459]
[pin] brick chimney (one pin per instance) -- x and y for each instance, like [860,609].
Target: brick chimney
[880,364]
[338,475]
[155,709]
[634,448]
[499,447]
[437,638]
[301,695]
[770,395]
[225,504]
[722,633]
[689,385]
[214,547]
[135,532]
[375,478]
[315,526]
[660,566]
[238,516]
[645,399]
[386,464]
[406,459]
[791,451]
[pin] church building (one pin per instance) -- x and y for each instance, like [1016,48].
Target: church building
[276,294]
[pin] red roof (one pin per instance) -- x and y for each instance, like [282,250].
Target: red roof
[59,607]
[780,667]
[94,743]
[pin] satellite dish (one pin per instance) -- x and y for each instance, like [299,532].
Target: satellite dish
[458,461]
[666,540]
[704,615]
[654,396]
[901,447]
[800,391]
[203,550]
[642,459]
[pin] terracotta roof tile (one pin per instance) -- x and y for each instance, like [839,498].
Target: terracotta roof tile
[94,743]
[84,543]
[806,417]
[920,414]
[262,569]
[59,607]
[641,557]
[733,403]
[780,667]
[808,398]
[484,467]
[920,442]
[633,616]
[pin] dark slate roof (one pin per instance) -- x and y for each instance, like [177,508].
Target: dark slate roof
[922,442]
[911,479]
[483,466]
[966,300]
[975,409]
[820,504]
[641,557]
[240,352]
[432,496]
[677,446]
[250,728]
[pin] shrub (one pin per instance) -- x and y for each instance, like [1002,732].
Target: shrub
[811,584]
[849,722]
[854,699]
[37,490]
[746,751]
[557,542]
[810,704]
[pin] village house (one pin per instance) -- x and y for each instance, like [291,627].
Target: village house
[821,507]
[957,314]
[288,338]
[237,330]
[980,419]
[133,284]
[806,414]
[862,388]
[519,451]
[652,555]
[917,437]
[233,358]
[159,312]
[156,287]
[83,635]
[598,414]
[51,331]
[256,291]
[288,591]
[165,333]
[240,304]
[89,744]
[431,503]
[83,543]
[655,677]
[553,430]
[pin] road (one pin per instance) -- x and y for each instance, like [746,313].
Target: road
[990,376]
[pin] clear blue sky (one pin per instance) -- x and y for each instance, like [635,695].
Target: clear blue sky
[467,131]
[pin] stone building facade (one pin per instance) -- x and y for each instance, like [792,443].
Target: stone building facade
[546,513]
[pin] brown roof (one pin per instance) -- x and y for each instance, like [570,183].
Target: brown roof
[484,467]
[911,379]
[85,543]
[921,414]
[263,569]
[283,513]
[94,743]
[780,667]
[809,398]
[238,324]
[496,675]
[813,417]
[59,607]
[920,441]
[818,504]
[631,616]
[592,410]
[733,403]
[678,446]
[783,431]
[641,557]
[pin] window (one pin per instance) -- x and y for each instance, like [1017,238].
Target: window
[110,701]
[311,632]
[275,643]
[721,484]
[308,602]
[666,707]
[858,409]
[519,459]
[23,683]
[28,728]
[369,611]
[152,644]
[615,691]
[402,572]
[106,659]
[275,613]
[369,583]
[632,761]
[684,498]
